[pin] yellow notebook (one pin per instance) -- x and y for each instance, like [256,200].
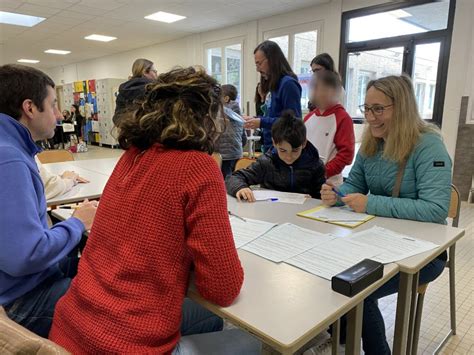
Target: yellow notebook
[342,216]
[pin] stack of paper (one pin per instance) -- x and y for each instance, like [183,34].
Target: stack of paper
[246,230]
[394,246]
[285,241]
[342,216]
[331,258]
[278,196]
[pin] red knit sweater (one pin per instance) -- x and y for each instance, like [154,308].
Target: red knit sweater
[161,212]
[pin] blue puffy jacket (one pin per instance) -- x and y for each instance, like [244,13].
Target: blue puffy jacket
[425,191]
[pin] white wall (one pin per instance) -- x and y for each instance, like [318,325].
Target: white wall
[190,50]
[459,62]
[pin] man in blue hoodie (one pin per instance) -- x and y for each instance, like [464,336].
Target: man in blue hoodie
[34,269]
[282,88]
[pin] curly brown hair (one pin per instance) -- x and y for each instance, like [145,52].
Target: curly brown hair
[180,110]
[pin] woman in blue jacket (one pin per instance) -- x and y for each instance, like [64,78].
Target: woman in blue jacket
[396,141]
[284,91]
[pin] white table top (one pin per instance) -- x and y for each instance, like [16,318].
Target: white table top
[91,190]
[100,166]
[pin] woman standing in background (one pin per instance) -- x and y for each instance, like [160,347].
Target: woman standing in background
[143,73]
[78,119]
[281,84]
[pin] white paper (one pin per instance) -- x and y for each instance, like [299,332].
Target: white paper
[286,241]
[331,258]
[341,214]
[245,232]
[284,197]
[395,246]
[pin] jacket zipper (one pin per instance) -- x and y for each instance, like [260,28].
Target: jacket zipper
[291,179]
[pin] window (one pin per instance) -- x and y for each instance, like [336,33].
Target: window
[227,68]
[300,45]
[411,37]
[369,65]
[283,42]
[425,70]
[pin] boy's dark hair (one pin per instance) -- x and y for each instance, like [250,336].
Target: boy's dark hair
[289,128]
[330,79]
[19,83]
[277,63]
[324,60]
[229,90]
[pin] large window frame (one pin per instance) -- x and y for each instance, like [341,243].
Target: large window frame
[291,32]
[223,44]
[409,42]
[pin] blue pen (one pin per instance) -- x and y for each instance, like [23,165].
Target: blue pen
[338,193]
[271,199]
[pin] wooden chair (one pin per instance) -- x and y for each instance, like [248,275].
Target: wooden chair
[218,158]
[453,212]
[55,156]
[14,339]
[244,163]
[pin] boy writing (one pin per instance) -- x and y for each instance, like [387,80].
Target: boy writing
[329,126]
[292,165]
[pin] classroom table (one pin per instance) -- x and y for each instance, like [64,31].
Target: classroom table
[101,166]
[284,306]
[443,235]
[292,317]
[91,190]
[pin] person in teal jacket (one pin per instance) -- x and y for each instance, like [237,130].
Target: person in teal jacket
[396,135]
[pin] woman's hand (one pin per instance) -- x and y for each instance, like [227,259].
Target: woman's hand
[245,194]
[328,196]
[358,202]
[251,122]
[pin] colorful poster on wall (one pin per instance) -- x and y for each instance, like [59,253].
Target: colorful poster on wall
[78,87]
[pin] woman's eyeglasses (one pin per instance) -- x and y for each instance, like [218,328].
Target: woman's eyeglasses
[377,110]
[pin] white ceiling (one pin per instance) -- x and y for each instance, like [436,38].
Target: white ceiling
[69,21]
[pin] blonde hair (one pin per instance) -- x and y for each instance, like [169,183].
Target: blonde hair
[406,125]
[140,67]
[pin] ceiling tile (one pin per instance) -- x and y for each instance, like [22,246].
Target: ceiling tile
[37,10]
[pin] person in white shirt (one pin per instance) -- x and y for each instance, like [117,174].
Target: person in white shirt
[56,185]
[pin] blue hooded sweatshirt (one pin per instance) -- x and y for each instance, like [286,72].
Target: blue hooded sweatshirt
[286,97]
[29,250]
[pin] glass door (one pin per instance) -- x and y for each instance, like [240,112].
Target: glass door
[364,66]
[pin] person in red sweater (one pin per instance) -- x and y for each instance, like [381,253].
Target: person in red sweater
[329,127]
[163,214]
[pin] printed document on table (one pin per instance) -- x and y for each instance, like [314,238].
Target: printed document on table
[395,246]
[284,197]
[286,241]
[246,231]
[329,259]
[342,216]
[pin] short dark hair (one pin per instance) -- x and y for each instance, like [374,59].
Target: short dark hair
[289,128]
[229,90]
[180,110]
[329,78]
[277,63]
[19,83]
[324,60]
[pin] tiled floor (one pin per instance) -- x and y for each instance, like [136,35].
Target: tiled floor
[95,152]
[435,321]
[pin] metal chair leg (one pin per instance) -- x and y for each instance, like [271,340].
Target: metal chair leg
[417,326]
[336,333]
[452,286]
